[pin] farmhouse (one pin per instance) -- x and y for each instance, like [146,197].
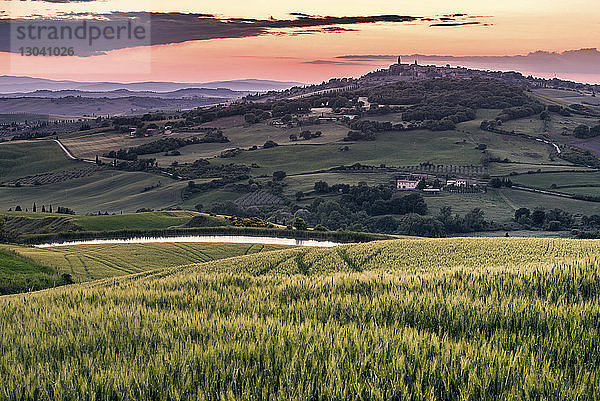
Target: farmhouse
[151,132]
[459,182]
[407,184]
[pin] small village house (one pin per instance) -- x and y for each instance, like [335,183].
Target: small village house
[406,184]
[459,182]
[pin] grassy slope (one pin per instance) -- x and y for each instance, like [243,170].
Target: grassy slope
[112,191]
[394,148]
[565,182]
[91,262]
[137,221]
[122,191]
[245,137]
[20,274]
[88,144]
[420,319]
[524,154]
[207,198]
[21,159]
[531,201]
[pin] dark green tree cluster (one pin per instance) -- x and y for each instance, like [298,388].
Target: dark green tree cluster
[552,220]
[165,145]
[584,132]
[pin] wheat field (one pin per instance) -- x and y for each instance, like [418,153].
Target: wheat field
[447,319]
[92,262]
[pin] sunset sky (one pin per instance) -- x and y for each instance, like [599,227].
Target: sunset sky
[303,41]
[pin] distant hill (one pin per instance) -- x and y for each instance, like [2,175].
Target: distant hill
[120,93]
[89,106]
[13,84]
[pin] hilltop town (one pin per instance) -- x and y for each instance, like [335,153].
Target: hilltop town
[412,71]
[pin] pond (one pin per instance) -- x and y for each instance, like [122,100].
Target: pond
[230,239]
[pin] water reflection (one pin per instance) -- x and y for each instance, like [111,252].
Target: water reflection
[230,239]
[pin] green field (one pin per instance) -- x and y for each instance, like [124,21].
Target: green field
[207,198]
[306,182]
[123,192]
[502,169]
[530,125]
[523,154]
[19,273]
[583,183]
[92,262]
[531,200]
[137,221]
[482,319]
[246,136]
[22,117]
[88,144]
[112,191]
[393,148]
[29,223]
[21,159]
[567,96]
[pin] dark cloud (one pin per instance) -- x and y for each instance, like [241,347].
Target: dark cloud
[369,57]
[330,62]
[457,23]
[337,29]
[175,27]
[68,1]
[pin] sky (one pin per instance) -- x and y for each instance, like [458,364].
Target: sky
[191,41]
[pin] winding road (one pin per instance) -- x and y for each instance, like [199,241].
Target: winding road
[69,154]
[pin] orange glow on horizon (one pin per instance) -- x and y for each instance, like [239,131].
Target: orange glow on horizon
[516,27]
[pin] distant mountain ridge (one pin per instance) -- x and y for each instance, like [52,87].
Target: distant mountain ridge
[20,85]
[121,93]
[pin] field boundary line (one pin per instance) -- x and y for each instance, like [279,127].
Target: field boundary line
[69,154]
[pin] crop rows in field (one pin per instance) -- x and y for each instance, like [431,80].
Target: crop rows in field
[57,177]
[410,319]
[469,171]
[91,262]
[259,198]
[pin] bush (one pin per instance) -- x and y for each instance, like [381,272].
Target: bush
[321,187]
[279,175]
[581,131]
[299,224]
[423,226]
[522,212]
[205,221]
[554,225]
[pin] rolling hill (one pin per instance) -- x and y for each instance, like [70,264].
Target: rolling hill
[15,84]
[422,319]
